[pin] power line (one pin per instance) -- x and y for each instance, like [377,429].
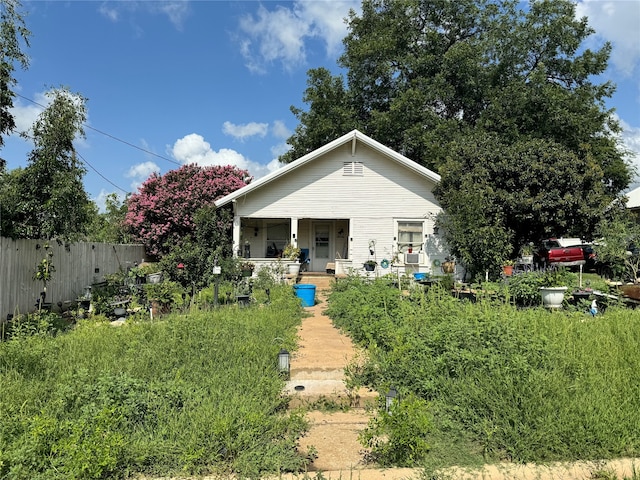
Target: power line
[101,175]
[109,135]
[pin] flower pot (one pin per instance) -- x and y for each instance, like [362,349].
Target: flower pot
[154,278]
[526,259]
[369,267]
[507,270]
[294,268]
[552,297]
[448,267]
[247,273]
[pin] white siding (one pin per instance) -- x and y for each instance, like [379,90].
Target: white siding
[320,190]
[386,191]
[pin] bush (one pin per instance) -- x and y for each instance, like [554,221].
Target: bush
[501,382]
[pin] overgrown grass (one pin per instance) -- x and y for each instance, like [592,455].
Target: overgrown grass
[498,382]
[188,395]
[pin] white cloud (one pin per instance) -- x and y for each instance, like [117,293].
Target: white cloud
[176,11]
[280,149]
[193,148]
[280,130]
[618,22]
[279,35]
[140,172]
[25,114]
[631,141]
[247,130]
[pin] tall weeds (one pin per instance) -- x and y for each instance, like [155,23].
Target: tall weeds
[190,394]
[509,383]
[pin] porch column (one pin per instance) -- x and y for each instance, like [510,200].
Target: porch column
[236,235]
[294,231]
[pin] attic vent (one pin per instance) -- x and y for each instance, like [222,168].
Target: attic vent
[353,168]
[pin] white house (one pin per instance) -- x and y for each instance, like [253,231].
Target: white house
[347,202]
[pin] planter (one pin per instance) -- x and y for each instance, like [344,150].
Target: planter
[552,297]
[247,273]
[507,270]
[526,259]
[294,269]
[154,278]
[369,267]
[448,267]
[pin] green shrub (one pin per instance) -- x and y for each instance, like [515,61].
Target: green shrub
[501,382]
[399,437]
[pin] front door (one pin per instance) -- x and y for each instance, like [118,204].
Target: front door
[321,247]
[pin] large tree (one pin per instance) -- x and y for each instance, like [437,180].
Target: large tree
[162,213]
[13,36]
[421,77]
[47,198]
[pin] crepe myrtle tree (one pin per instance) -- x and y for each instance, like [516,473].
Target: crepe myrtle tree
[161,215]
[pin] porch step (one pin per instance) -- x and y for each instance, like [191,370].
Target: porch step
[322,281]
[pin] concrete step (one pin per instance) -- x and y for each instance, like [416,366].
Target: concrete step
[303,392]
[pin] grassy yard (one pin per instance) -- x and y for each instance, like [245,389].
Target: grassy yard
[184,395]
[488,381]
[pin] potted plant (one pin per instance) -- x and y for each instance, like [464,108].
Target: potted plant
[449,265]
[247,269]
[553,285]
[370,265]
[292,253]
[44,273]
[526,254]
[507,267]
[161,295]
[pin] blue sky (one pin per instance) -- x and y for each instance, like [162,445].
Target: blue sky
[172,82]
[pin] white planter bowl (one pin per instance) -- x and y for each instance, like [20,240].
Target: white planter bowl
[552,297]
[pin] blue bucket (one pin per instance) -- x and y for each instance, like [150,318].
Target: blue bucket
[306,293]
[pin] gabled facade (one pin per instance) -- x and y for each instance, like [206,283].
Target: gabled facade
[350,201]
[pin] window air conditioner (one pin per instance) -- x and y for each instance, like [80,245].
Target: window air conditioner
[412,258]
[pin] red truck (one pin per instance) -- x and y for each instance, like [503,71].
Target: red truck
[565,252]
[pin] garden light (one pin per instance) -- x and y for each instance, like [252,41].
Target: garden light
[390,397]
[283,362]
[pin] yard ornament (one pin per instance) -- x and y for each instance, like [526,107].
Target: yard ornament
[594,309]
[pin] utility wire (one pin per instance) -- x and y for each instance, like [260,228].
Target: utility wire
[109,135]
[101,175]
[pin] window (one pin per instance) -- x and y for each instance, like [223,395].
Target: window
[277,238]
[410,236]
[353,169]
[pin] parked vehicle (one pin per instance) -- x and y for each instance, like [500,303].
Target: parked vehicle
[565,252]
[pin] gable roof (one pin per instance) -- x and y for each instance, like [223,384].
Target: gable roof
[353,136]
[633,198]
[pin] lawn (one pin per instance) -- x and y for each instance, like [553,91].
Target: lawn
[188,394]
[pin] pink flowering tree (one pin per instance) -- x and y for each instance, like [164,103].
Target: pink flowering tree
[161,215]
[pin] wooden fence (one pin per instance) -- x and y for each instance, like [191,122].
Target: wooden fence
[77,265]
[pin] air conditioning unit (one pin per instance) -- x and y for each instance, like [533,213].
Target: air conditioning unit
[412,258]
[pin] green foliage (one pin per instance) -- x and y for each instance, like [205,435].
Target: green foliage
[190,395]
[13,36]
[47,199]
[108,226]
[501,382]
[165,292]
[499,196]
[399,437]
[618,243]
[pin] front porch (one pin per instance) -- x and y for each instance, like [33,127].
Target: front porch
[324,243]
